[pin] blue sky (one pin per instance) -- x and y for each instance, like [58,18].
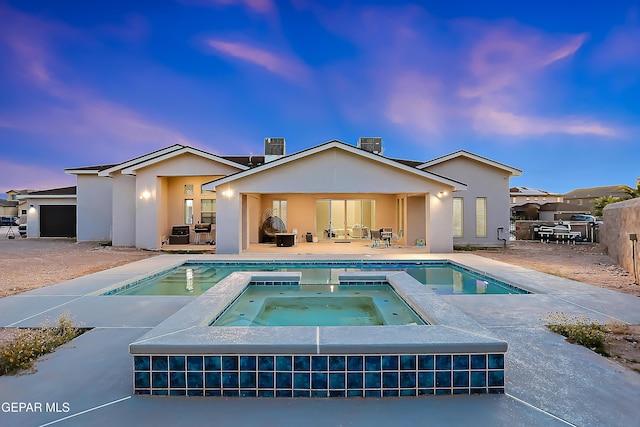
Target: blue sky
[549,87]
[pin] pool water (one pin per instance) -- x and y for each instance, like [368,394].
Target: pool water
[318,305]
[195,278]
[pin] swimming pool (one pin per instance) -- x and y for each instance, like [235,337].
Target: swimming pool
[195,278]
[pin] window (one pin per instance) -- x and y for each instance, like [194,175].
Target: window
[481,217]
[208,211]
[279,209]
[188,211]
[188,189]
[458,215]
[513,200]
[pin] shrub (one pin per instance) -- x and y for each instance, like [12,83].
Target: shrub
[22,351]
[580,330]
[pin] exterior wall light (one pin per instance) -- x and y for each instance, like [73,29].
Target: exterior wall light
[442,194]
[146,195]
[227,193]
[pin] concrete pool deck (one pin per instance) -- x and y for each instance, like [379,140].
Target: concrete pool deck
[548,381]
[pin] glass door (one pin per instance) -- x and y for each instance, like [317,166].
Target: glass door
[344,219]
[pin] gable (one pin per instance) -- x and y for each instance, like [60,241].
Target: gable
[336,170]
[186,164]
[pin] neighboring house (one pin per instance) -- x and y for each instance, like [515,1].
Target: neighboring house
[526,202]
[523,195]
[50,213]
[8,208]
[583,197]
[559,211]
[334,191]
[16,195]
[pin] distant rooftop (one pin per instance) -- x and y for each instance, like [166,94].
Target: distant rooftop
[595,192]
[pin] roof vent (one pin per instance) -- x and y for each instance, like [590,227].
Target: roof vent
[372,145]
[274,148]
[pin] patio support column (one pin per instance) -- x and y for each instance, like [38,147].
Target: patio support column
[439,223]
[228,221]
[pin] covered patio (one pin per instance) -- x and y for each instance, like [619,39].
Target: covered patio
[335,192]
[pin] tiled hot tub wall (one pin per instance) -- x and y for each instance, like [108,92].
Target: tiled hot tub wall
[319,375]
[184,356]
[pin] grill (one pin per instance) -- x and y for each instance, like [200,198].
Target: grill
[202,228]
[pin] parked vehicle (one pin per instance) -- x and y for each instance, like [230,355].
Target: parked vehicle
[9,220]
[587,218]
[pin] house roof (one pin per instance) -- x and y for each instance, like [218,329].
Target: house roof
[523,207]
[462,153]
[249,161]
[54,192]
[526,191]
[595,192]
[346,147]
[87,170]
[130,167]
[562,207]
[8,203]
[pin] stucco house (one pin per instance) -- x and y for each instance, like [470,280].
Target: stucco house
[334,190]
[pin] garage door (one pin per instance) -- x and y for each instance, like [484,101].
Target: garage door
[57,221]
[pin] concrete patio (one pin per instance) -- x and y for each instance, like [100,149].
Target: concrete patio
[548,381]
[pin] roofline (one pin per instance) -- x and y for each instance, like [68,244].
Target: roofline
[457,185]
[45,196]
[513,171]
[146,157]
[81,171]
[131,170]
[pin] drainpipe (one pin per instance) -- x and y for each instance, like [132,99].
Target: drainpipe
[500,233]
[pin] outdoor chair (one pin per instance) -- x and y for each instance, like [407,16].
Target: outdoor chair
[397,237]
[386,234]
[375,237]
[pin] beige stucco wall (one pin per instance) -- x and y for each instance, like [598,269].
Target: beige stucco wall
[164,181]
[93,212]
[123,209]
[331,174]
[483,180]
[619,220]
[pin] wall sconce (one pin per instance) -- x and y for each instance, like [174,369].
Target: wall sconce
[442,194]
[30,206]
[146,195]
[227,193]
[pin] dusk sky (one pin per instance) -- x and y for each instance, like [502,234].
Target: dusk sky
[549,87]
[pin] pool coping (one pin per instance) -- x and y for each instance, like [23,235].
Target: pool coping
[189,332]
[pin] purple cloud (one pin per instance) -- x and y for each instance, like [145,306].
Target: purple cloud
[285,66]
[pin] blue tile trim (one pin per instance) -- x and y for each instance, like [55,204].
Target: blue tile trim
[333,375]
[328,264]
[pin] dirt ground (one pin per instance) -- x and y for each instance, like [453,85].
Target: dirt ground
[27,264]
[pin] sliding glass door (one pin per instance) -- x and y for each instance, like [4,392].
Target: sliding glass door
[344,219]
